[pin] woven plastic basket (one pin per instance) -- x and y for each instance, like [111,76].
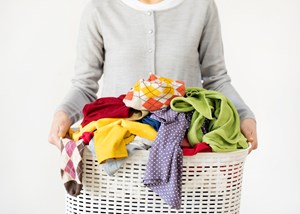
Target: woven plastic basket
[211,183]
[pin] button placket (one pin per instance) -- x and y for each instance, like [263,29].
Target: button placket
[150,27]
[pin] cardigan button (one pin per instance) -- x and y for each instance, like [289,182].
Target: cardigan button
[150,31]
[149,13]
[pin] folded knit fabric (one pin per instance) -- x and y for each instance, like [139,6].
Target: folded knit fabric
[105,107]
[200,147]
[71,168]
[164,168]
[111,135]
[154,93]
[224,133]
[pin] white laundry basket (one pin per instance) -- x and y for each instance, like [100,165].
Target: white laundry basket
[211,183]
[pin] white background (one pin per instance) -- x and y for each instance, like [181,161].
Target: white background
[37,54]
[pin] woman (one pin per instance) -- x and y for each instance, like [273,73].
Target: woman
[123,40]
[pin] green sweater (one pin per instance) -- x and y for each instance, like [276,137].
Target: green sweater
[224,129]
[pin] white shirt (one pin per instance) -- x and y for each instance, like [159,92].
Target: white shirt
[162,5]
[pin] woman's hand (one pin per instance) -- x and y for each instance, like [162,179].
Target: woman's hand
[59,128]
[248,128]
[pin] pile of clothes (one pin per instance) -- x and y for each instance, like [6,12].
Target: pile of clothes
[159,114]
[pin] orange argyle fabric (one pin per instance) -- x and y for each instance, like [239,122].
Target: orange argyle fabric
[154,93]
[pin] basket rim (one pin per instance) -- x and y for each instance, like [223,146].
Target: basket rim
[207,154]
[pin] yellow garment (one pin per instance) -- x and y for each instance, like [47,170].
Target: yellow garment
[112,134]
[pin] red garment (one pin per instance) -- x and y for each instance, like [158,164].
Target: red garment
[86,137]
[105,107]
[199,147]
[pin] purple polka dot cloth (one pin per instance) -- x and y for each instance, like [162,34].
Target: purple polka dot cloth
[164,167]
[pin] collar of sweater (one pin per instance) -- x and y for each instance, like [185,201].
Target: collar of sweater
[162,5]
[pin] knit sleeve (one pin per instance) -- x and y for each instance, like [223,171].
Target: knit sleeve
[214,72]
[88,65]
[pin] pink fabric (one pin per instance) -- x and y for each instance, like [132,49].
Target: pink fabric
[70,169]
[70,146]
[71,165]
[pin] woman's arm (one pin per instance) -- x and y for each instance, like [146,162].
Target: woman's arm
[214,72]
[88,65]
[88,71]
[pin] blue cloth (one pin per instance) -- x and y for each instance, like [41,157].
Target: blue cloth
[164,167]
[152,122]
